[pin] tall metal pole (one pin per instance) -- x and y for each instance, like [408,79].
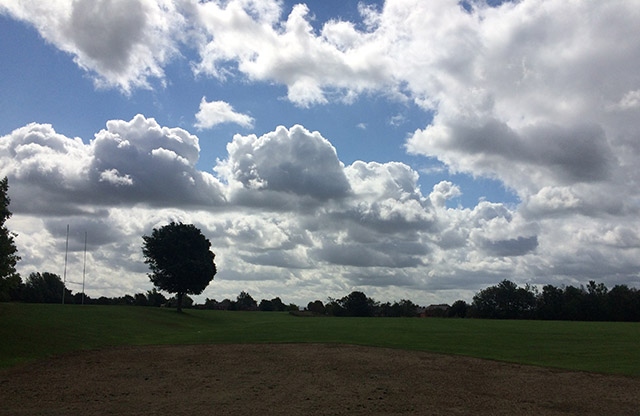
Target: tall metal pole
[64,276]
[84,266]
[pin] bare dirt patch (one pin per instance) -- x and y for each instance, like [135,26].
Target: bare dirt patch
[302,379]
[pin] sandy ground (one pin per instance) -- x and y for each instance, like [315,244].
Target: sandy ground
[304,379]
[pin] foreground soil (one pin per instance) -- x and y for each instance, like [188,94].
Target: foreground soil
[302,379]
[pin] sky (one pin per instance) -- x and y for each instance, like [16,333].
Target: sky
[408,149]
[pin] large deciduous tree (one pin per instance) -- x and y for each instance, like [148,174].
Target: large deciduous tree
[9,278]
[45,288]
[358,304]
[505,301]
[180,259]
[244,302]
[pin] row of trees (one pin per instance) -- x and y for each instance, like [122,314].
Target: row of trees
[358,304]
[245,302]
[506,300]
[48,288]
[595,302]
[354,304]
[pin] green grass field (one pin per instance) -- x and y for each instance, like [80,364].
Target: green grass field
[34,331]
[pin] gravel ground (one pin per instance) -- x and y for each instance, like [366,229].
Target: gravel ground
[302,379]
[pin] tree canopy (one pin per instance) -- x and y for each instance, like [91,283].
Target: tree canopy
[505,301]
[9,278]
[180,259]
[44,288]
[355,303]
[245,302]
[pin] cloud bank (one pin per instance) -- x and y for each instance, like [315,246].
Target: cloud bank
[542,96]
[282,210]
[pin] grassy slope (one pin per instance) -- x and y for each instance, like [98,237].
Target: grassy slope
[30,332]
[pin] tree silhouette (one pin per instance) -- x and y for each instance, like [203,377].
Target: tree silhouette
[550,302]
[459,309]
[44,288]
[180,260]
[9,279]
[505,301]
[244,302]
[358,304]
[316,307]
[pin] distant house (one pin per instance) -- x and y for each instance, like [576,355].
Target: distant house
[434,311]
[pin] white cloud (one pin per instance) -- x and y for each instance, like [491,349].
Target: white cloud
[287,218]
[442,192]
[534,121]
[123,43]
[129,162]
[544,155]
[282,164]
[114,177]
[217,112]
[539,95]
[288,52]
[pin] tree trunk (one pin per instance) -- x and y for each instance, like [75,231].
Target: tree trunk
[179,302]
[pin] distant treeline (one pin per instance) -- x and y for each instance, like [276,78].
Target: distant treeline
[595,302]
[506,300]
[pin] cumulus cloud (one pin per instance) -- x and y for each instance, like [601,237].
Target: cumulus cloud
[135,175]
[289,52]
[129,162]
[534,121]
[544,155]
[539,95]
[284,211]
[283,163]
[122,43]
[217,112]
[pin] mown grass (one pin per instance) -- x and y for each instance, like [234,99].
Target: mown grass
[33,331]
